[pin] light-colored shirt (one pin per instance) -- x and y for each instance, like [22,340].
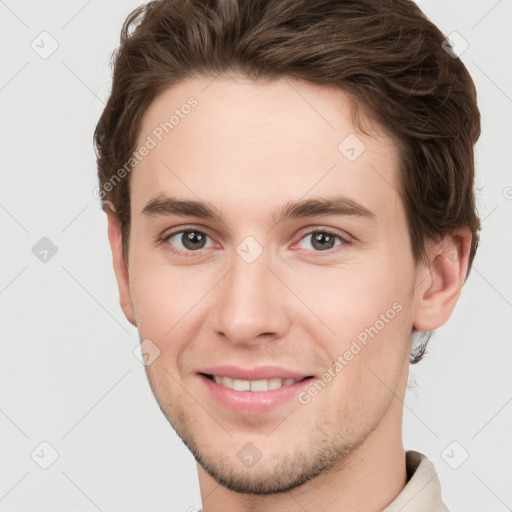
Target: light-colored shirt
[422,493]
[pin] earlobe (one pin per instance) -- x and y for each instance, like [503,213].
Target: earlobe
[439,283]
[120,266]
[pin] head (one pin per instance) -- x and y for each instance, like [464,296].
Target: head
[246,108]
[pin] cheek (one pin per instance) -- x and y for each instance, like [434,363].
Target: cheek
[377,337]
[348,300]
[155,296]
[170,302]
[370,354]
[369,317]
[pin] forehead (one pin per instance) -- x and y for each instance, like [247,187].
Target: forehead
[243,142]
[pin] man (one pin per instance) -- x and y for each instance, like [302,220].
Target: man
[289,191]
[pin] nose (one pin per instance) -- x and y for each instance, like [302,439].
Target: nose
[251,305]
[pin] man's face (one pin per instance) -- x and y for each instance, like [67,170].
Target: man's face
[251,290]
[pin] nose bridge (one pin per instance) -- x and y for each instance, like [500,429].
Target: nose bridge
[249,302]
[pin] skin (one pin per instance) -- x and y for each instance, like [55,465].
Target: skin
[248,148]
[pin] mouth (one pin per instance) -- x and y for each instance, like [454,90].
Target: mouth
[260,385]
[253,397]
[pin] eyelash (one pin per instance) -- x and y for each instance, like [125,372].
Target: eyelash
[164,240]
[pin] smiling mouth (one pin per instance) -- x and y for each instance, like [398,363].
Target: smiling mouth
[253,385]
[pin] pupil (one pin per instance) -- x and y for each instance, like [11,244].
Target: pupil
[193,238]
[323,237]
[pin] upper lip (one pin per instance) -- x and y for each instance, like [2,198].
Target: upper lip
[260,372]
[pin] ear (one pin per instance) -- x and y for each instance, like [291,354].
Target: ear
[120,266]
[439,282]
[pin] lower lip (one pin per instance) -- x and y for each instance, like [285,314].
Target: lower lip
[253,402]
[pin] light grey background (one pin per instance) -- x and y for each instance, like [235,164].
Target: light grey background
[68,375]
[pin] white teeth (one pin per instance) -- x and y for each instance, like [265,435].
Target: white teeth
[275,383]
[241,385]
[253,385]
[259,385]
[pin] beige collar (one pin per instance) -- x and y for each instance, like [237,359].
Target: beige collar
[423,490]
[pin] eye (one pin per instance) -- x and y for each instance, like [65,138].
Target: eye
[191,240]
[186,242]
[323,240]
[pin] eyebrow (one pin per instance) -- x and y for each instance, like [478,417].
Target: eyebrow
[163,205]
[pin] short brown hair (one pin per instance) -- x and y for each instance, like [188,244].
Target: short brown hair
[385,54]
